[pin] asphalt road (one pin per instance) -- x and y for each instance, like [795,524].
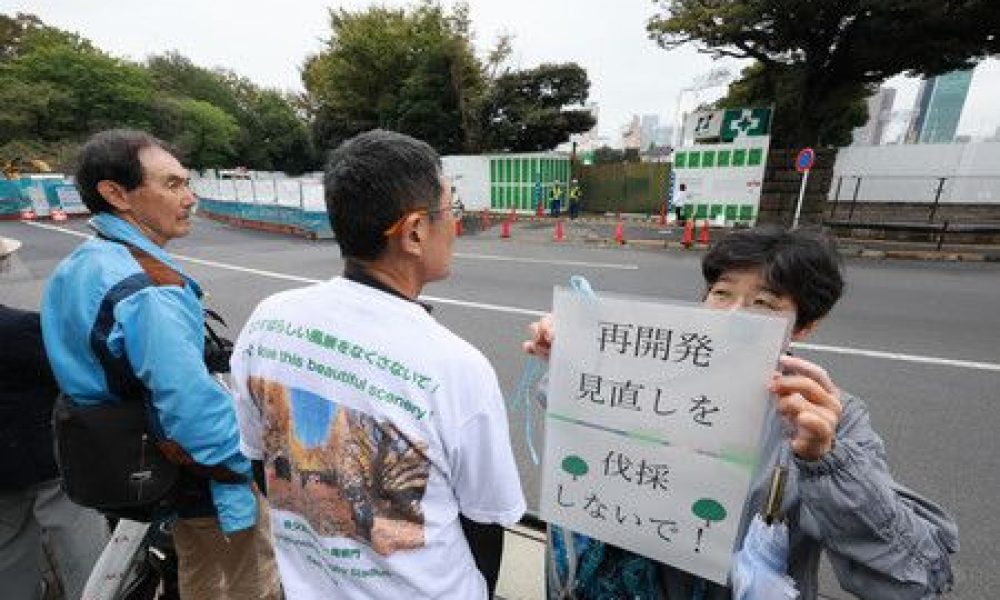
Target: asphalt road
[919,341]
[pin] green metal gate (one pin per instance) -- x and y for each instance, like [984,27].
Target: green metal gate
[513,178]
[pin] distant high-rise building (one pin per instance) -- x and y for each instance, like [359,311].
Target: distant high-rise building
[632,134]
[879,116]
[663,136]
[648,125]
[939,107]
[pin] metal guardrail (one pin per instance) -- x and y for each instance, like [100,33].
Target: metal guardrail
[941,228]
[932,190]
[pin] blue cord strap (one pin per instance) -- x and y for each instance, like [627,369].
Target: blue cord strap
[533,374]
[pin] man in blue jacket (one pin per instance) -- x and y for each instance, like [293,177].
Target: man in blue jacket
[102,316]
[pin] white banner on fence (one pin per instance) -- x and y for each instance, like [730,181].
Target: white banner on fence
[653,424]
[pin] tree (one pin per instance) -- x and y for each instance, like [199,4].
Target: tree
[281,138]
[271,135]
[527,110]
[177,76]
[412,71]
[84,89]
[779,86]
[33,110]
[203,132]
[56,88]
[608,155]
[13,31]
[831,53]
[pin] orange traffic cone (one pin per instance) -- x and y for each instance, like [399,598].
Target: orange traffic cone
[688,234]
[505,229]
[703,236]
[557,235]
[620,232]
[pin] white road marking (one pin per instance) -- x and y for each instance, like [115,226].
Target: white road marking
[931,360]
[545,261]
[878,354]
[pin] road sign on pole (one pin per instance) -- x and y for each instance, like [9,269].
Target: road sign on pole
[804,161]
[803,164]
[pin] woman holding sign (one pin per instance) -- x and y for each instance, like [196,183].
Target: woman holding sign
[883,540]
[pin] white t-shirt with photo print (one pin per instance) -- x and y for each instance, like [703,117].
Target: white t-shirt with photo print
[377,427]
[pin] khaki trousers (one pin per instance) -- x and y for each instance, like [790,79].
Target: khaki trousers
[214,566]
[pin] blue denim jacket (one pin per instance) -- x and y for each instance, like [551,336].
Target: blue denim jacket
[160,329]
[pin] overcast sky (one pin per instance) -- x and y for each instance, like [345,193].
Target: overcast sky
[267,42]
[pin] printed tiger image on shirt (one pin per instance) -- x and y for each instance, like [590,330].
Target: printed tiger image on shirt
[345,472]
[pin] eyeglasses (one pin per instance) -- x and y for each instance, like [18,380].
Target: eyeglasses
[456,208]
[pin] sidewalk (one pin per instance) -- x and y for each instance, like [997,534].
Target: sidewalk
[522,573]
[639,232]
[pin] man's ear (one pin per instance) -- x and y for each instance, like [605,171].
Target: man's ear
[805,331]
[412,234]
[114,194]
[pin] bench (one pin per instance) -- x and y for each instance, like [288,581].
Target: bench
[941,229]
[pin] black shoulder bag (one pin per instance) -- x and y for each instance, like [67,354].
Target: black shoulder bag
[110,456]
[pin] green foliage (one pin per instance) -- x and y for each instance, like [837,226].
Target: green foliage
[38,110]
[13,31]
[271,135]
[842,109]
[608,155]
[82,88]
[412,71]
[177,76]
[203,132]
[274,136]
[829,54]
[56,88]
[526,110]
[415,71]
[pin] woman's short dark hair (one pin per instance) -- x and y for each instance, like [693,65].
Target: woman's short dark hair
[371,181]
[803,264]
[112,155]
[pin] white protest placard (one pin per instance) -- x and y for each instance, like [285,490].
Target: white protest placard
[653,425]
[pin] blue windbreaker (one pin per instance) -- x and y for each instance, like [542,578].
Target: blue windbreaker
[160,329]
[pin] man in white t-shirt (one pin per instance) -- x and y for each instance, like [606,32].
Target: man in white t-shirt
[383,435]
[680,201]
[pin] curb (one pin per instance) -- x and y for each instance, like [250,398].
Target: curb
[922,255]
[242,223]
[866,253]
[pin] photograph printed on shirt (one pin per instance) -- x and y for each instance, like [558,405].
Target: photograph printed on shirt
[342,470]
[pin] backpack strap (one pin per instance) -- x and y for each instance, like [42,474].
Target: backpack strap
[157,270]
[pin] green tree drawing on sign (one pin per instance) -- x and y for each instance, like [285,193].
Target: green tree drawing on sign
[575,466]
[710,511]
